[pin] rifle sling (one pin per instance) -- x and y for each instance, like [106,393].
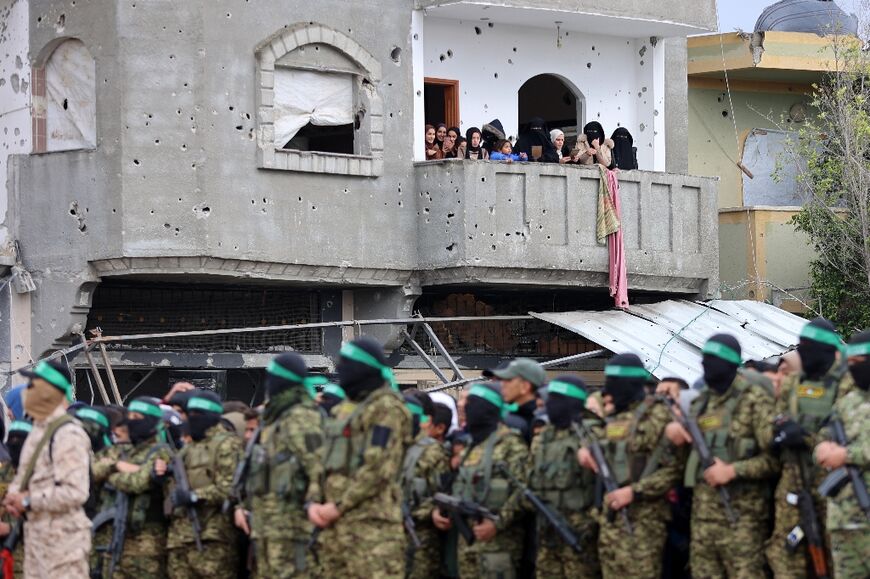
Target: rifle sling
[50,430]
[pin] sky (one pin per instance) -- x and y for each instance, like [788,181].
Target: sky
[743,13]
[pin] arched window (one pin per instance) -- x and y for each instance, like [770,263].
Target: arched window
[554,99]
[65,99]
[319,109]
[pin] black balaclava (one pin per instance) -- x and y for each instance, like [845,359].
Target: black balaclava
[416,409]
[286,371]
[566,399]
[204,411]
[358,380]
[817,356]
[141,429]
[721,361]
[18,432]
[859,345]
[331,397]
[482,416]
[624,381]
[97,426]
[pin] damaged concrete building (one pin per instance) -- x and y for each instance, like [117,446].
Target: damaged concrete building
[204,165]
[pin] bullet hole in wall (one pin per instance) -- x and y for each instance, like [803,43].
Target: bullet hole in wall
[65,104]
[449,54]
[136,162]
[396,55]
[588,65]
[442,58]
[477,30]
[724,114]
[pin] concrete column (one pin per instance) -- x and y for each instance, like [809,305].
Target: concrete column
[676,109]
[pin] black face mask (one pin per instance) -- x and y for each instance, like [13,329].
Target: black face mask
[482,418]
[718,373]
[623,391]
[14,445]
[563,410]
[200,422]
[141,429]
[358,380]
[816,358]
[328,402]
[861,374]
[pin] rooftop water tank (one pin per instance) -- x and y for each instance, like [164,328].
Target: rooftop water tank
[815,16]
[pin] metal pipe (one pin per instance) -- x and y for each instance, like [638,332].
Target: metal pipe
[457,373]
[111,373]
[422,353]
[96,373]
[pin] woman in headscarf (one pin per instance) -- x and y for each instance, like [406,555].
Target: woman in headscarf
[536,135]
[433,151]
[593,146]
[440,134]
[624,155]
[451,142]
[558,138]
[492,132]
[474,145]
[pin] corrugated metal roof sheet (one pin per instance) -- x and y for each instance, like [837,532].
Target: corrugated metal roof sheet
[668,336]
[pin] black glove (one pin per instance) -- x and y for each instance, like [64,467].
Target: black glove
[183,498]
[789,434]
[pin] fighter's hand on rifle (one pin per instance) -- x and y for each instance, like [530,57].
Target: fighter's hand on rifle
[441,522]
[831,455]
[484,531]
[584,457]
[719,474]
[240,519]
[620,498]
[678,435]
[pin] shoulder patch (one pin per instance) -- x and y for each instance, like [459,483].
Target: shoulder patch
[381,436]
[313,441]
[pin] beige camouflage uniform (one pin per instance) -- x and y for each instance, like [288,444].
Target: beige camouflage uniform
[279,525]
[57,534]
[847,523]
[7,473]
[362,479]
[210,464]
[720,548]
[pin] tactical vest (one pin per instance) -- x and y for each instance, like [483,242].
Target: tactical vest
[557,478]
[345,448]
[415,488]
[716,427]
[273,472]
[812,401]
[478,482]
[147,507]
[628,467]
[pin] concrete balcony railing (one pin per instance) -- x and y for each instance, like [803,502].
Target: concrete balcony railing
[534,224]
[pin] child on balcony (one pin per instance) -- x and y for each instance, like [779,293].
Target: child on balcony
[504,152]
[474,147]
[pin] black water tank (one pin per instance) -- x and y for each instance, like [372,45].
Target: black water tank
[815,16]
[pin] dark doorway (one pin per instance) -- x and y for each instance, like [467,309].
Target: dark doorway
[338,139]
[441,101]
[555,100]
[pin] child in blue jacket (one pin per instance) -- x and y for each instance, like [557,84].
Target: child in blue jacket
[504,152]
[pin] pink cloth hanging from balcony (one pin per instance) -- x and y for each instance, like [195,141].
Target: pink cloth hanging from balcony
[615,244]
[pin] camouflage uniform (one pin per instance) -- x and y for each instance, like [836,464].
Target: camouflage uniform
[102,466]
[809,403]
[738,427]
[426,463]
[144,552]
[640,456]
[558,480]
[285,472]
[499,557]
[210,464]
[365,448]
[7,473]
[57,534]
[847,524]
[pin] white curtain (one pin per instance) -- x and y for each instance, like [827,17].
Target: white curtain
[301,97]
[71,101]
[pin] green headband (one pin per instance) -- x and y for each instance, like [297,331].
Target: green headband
[309,382]
[722,351]
[862,349]
[145,408]
[20,426]
[357,354]
[204,404]
[414,408]
[822,336]
[566,389]
[55,378]
[93,416]
[626,372]
[335,390]
[490,396]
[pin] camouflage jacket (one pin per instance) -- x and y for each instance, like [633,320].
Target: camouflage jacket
[426,478]
[365,448]
[145,490]
[747,449]
[297,432]
[210,464]
[854,410]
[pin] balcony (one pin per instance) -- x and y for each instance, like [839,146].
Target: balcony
[534,224]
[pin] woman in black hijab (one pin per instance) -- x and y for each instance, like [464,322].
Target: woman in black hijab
[537,135]
[593,146]
[474,145]
[624,156]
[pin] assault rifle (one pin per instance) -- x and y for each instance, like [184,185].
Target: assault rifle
[605,473]
[835,481]
[552,517]
[312,544]
[459,510]
[237,494]
[117,515]
[179,473]
[704,454]
[9,545]
[410,526]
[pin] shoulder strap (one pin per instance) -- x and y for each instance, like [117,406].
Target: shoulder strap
[46,439]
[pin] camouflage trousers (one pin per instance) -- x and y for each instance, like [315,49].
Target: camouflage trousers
[632,556]
[217,560]
[721,550]
[427,559]
[143,556]
[282,559]
[361,547]
[559,561]
[851,553]
[496,559]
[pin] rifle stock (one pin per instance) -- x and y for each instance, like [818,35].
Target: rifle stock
[459,510]
[835,481]
[605,473]
[179,473]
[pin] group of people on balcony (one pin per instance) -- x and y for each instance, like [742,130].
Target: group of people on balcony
[535,143]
